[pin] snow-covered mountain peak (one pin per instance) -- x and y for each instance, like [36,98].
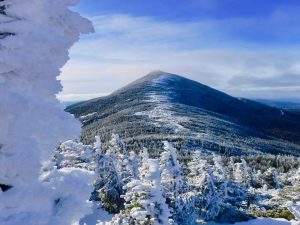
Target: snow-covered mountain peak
[153,79]
[157,73]
[161,77]
[161,83]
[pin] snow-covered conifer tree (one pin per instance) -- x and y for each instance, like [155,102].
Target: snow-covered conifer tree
[144,155]
[134,162]
[98,145]
[171,180]
[108,187]
[118,151]
[108,184]
[294,178]
[35,36]
[220,176]
[259,181]
[118,144]
[195,181]
[242,174]
[115,168]
[145,203]
[271,178]
[75,154]
[208,199]
[229,194]
[230,169]
[122,164]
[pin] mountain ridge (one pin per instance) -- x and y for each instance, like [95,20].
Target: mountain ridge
[160,96]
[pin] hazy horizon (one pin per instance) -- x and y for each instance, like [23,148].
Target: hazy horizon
[74,98]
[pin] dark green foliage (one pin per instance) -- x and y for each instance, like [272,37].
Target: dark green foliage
[276,213]
[262,162]
[111,200]
[107,186]
[231,214]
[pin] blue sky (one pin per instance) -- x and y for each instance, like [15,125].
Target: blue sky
[247,48]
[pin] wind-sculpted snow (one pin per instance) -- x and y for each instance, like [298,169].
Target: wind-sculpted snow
[35,36]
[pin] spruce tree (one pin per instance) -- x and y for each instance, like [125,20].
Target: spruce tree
[145,203]
[242,174]
[172,181]
[113,172]
[208,193]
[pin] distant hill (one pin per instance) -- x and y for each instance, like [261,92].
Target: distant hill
[288,105]
[297,111]
[68,103]
[163,106]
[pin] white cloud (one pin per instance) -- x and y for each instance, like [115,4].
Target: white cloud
[125,48]
[79,97]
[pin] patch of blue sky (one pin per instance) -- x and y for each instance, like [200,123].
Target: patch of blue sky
[214,42]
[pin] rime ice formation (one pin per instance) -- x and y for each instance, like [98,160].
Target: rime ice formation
[35,36]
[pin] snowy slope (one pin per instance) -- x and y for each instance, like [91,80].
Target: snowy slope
[259,221]
[193,116]
[97,216]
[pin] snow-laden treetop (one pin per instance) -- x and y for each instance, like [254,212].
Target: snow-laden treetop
[35,36]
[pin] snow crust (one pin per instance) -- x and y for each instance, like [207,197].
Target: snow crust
[163,114]
[260,221]
[98,216]
[75,154]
